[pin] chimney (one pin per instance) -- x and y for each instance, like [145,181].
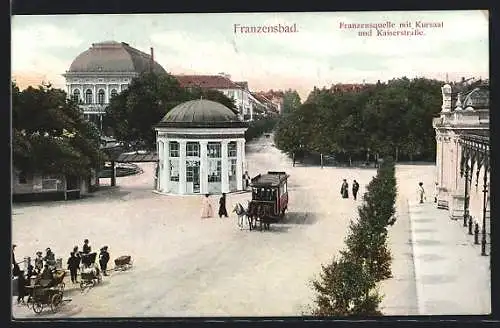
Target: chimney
[152,60]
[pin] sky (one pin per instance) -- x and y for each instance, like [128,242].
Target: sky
[319,53]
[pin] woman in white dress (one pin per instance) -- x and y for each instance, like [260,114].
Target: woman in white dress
[206,210]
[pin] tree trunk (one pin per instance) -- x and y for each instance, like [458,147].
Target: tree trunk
[350,160]
[321,159]
[397,153]
[411,157]
[293,158]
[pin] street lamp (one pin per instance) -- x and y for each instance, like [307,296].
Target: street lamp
[485,203]
[466,200]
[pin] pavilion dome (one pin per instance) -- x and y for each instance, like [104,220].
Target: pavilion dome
[112,56]
[201,113]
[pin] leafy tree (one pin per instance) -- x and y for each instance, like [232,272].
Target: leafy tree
[50,135]
[291,101]
[345,288]
[131,115]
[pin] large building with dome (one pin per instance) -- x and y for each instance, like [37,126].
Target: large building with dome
[463,156]
[201,149]
[105,70]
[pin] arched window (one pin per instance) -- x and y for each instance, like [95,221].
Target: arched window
[113,93]
[88,96]
[100,97]
[76,96]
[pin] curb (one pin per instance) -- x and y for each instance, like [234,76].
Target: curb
[416,267]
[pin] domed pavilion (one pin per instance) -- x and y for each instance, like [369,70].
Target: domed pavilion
[201,149]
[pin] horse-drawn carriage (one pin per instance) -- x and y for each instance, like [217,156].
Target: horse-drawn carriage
[90,274]
[269,199]
[47,292]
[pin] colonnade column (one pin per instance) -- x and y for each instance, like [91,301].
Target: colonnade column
[182,167]
[224,167]
[203,167]
[240,154]
[166,166]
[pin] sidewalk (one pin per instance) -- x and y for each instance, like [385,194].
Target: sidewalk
[451,275]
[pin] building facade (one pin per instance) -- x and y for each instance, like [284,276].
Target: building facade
[103,71]
[238,91]
[201,149]
[462,153]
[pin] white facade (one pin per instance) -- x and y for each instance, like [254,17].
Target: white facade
[242,100]
[453,122]
[201,160]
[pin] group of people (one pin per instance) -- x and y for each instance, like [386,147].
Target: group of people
[344,189]
[45,267]
[207,211]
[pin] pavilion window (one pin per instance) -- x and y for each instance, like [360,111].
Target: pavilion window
[113,93]
[174,148]
[214,171]
[174,170]
[232,168]
[192,149]
[76,96]
[100,97]
[88,96]
[190,165]
[214,150]
[231,149]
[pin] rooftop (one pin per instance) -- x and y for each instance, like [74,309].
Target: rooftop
[207,82]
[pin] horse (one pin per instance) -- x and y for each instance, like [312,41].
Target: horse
[242,213]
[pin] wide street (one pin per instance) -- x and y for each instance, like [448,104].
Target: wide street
[186,266]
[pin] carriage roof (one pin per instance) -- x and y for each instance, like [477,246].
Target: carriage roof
[271,179]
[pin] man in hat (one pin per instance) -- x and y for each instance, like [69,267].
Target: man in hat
[50,258]
[15,266]
[39,262]
[104,259]
[222,206]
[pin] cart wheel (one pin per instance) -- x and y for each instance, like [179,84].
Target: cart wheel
[37,307]
[55,301]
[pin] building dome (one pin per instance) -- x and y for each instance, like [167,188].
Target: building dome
[201,113]
[112,56]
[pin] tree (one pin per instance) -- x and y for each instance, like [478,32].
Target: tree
[291,101]
[131,115]
[50,134]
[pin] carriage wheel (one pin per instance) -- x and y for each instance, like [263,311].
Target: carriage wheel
[55,301]
[37,307]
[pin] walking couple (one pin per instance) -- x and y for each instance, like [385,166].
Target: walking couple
[344,190]
[207,211]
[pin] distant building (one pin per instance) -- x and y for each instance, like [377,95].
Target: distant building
[222,82]
[463,151]
[275,97]
[103,71]
[201,149]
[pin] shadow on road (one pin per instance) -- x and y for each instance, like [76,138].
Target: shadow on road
[300,218]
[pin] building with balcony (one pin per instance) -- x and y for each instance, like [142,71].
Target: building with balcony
[103,71]
[462,154]
[201,149]
[238,91]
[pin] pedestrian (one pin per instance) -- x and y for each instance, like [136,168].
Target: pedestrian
[104,259]
[246,180]
[344,190]
[15,266]
[86,247]
[355,188]
[21,287]
[73,264]
[222,206]
[39,262]
[206,211]
[50,258]
[436,192]
[30,270]
[421,192]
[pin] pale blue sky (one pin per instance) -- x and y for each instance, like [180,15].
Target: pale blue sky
[319,54]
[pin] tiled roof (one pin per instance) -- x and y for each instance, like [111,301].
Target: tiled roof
[206,81]
[137,157]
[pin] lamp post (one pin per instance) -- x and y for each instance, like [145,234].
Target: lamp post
[485,191]
[466,199]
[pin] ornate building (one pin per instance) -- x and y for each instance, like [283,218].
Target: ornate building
[462,156]
[201,149]
[102,71]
